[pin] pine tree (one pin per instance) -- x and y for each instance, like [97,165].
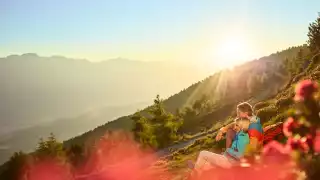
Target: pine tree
[15,166]
[201,104]
[314,35]
[141,129]
[157,110]
[159,128]
[50,148]
[137,123]
[300,61]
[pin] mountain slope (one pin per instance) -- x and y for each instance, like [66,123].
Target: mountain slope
[253,81]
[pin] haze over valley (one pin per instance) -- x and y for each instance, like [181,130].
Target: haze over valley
[40,95]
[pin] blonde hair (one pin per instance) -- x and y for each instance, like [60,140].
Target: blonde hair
[243,123]
[245,107]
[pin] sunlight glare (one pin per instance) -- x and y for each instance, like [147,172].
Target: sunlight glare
[231,52]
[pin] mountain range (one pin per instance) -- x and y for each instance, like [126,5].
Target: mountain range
[79,100]
[67,97]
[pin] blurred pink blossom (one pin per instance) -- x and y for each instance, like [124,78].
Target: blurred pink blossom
[275,152]
[116,157]
[298,144]
[316,143]
[48,169]
[289,126]
[305,89]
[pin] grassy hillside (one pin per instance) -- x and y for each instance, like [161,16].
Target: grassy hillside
[272,110]
[253,81]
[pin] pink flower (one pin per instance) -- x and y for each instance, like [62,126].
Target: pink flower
[305,89]
[276,153]
[298,144]
[48,169]
[289,126]
[316,143]
[115,157]
[274,148]
[308,139]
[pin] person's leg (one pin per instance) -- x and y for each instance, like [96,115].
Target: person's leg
[207,158]
[230,135]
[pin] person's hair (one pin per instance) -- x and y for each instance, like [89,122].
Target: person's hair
[243,123]
[246,108]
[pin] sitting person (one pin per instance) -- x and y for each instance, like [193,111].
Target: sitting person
[255,131]
[231,156]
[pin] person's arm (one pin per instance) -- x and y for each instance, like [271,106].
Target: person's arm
[227,127]
[223,130]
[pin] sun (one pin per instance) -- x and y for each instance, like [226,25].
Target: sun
[231,52]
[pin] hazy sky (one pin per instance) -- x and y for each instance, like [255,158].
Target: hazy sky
[190,30]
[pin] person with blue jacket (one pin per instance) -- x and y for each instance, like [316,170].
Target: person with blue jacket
[232,155]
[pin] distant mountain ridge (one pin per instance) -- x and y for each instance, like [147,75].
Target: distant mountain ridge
[38,86]
[66,96]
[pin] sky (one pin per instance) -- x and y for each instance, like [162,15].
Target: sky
[154,30]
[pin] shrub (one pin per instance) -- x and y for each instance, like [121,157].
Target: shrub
[186,137]
[284,102]
[315,75]
[208,142]
[278,118]
[313,64]
[265,114]
[298,77]
[260,105]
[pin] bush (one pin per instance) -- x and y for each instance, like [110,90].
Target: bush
[217,125]
[186,137]
[315,75]
[265,114]
[208,142]
[284,102]
[260,105]
[177,157]
[313,64]
[298,77]
[279,118]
